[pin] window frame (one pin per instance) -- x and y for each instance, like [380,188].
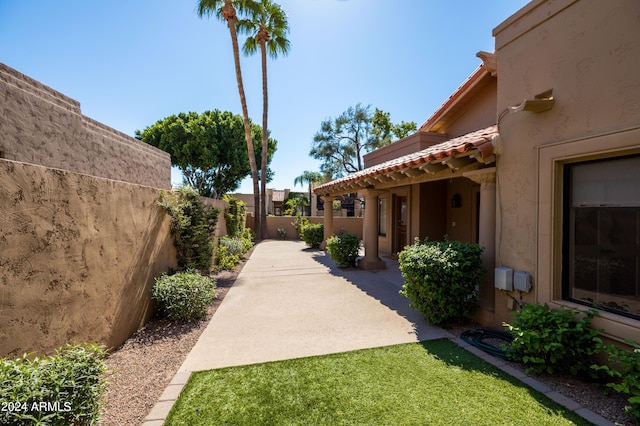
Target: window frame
[568,224]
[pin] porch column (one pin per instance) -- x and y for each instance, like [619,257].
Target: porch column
[328,219]
[371,260]
[487,232]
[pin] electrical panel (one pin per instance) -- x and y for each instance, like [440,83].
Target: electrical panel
[504,278]
[522,281]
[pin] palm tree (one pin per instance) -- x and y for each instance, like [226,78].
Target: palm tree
[310,177]
[267,27]
[226,10]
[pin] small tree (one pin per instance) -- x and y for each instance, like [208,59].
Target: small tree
[193,227]
[342,142]
[208,148]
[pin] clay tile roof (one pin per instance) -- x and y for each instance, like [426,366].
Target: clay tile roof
[479,140]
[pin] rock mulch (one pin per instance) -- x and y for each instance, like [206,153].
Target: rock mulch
[144,365]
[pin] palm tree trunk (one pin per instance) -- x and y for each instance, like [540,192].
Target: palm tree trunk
[265,137]
[247,129]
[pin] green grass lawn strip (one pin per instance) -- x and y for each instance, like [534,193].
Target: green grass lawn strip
[428,383]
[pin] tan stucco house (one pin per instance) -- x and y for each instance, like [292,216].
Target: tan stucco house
[536,156]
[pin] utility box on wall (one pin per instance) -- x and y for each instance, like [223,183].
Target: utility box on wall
[522,281]
[504,278]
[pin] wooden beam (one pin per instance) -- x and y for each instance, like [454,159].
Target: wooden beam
[411,172]
[457,163]
[432,168]
[396,175]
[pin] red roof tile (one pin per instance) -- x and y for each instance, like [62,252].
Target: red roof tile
[480,140]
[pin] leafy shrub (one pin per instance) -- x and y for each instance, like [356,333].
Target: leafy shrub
[231,250]
[192,225]
[624,368]
[247,237]
[184,296]
[234,245]
[282,233]
[442,278]
[63,389]
[313,234]
[234,216]
[298,223]
[344,249]
[557,340]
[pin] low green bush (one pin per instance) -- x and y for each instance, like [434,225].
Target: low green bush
[184,296]
[313,234]
[557,340]
[442,278]
[624,369]
[63,389]
[231,250]
[226,261]
[344,249]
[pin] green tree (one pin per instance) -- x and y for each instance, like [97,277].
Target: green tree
[342,142]
[294,203]
[384,131]
[225,10]
[267,28]
[208,148]
[309,178]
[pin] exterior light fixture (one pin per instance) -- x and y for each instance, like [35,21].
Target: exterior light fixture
[540,103]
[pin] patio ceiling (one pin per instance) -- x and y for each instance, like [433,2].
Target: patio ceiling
[464,153]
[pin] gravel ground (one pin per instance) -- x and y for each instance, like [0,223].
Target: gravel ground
[145,364]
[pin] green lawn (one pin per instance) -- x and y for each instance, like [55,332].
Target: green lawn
[429,383]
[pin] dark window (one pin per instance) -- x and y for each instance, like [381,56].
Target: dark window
[601,247]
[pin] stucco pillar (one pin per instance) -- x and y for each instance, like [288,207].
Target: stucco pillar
[328,219]
[371,260]
[487,232]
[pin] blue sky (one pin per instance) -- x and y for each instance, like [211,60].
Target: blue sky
[132,62]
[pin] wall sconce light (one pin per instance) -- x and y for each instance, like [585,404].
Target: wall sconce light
[361,202]
[540,103]
[456,201]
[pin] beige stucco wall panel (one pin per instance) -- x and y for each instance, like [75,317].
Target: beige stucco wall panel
[478,114]
[78,255]
[341,225]
[459,220]
[42,126]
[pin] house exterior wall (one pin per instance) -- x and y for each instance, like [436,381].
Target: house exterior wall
[588,53]
[42,126]
[480,112]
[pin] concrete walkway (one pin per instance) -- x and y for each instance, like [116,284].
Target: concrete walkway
[290,301]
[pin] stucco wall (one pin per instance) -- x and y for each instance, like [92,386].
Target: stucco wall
[78,256]
[42,126]
[588,53]
[349,225]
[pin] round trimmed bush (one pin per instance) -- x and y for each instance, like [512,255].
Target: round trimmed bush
[313,234]
[344,249]
[184,296]
[442,279]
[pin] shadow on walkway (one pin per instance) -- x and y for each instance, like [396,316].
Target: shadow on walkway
[383,285]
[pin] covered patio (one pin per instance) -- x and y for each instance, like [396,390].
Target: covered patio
[418,208]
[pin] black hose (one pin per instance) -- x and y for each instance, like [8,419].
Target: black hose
[476,338]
